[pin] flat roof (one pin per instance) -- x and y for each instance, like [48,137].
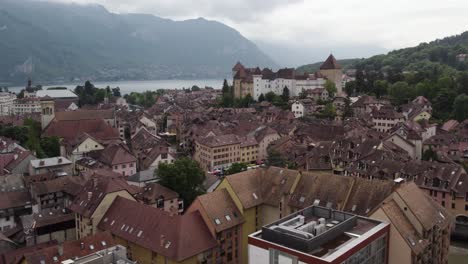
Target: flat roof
[320,232]
[49,162]
[65,93]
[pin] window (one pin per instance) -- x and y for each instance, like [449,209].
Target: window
[453,205]
[124,166]
[466,207]
[443,203]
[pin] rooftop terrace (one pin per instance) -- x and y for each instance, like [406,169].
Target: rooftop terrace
[320,232]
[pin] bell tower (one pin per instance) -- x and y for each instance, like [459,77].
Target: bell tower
[47,111]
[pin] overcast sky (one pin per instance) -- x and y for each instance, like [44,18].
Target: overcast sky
[350,28]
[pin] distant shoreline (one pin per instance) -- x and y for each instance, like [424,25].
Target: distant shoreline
[127,87]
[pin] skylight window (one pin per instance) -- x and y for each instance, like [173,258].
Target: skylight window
[103,243]
[112,223]
[354,208]
[316,202]
[105,220]
[140,233]
[168,244]
[302,199]
[123,226]
[228,217]
[91,247]
[217,221]
[255,196]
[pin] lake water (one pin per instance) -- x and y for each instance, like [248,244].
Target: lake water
[141,86]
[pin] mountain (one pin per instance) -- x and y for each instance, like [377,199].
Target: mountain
[59,42]
[310,68]
[294,54]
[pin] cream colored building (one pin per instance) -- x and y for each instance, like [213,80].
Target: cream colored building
[420,228]
[217,152]
[95,198]
[333,72]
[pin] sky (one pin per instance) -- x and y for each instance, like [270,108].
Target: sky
[295,32]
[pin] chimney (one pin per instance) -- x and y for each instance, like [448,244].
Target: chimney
[90,194]
[95,182]
[41,163]
[162,240]
[60,250]
[59,160]
[82,246]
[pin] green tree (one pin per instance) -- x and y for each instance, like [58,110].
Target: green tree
[285,94]
[329,112]
[116,92]
[429,155]
[261,98]
[227,96]
[330,87]
[50,146]
[184,176]
[247,100]
[195,88]
[350,88]
[380,88]
[400,93]
[275,158]
[236,168]
[270,96]
[303,94]
[460,107]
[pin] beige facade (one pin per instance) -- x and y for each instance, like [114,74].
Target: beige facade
[242,88]
[248,153]
[334,75]
[217,157]
[88,226]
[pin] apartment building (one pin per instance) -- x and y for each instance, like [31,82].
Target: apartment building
[419,227]
[217,152]
[26,105]
[224,220]
[6,103]
[386,118]
[95,198]
[319,235]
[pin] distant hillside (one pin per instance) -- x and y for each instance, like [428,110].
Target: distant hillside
[52,41]
[346,63]
[440,53]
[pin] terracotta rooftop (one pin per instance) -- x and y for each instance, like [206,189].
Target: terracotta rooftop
[221,210]
[84,115]
[330,64]
[92,193]
[14,199]
[177,237]
[71,129]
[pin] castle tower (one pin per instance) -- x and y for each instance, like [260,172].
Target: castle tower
[333,71]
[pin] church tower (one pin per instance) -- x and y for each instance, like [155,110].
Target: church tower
[47,111]
[333,71]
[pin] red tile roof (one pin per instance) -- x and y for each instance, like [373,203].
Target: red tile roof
[99,241]
[14,199]
[177,237]
[330,64]
[116,154]
[84,115]
[71,129]
[95,190]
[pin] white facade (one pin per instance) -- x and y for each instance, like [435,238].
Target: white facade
[298,109]
[6,103]
[25,106]
[264,86]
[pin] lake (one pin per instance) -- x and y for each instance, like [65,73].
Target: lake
[141,86]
